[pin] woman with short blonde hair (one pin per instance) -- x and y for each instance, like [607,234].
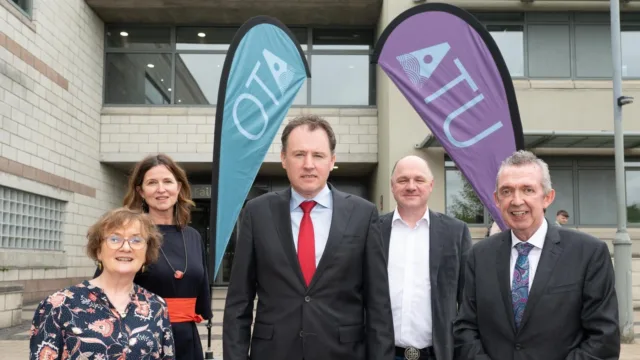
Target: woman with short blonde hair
[108,317]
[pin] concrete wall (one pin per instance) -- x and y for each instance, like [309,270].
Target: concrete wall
[186,134]
[50,100]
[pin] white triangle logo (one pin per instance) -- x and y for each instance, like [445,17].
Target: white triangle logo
[420,64]
[282,73]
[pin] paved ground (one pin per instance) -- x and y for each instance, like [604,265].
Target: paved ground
[14,342]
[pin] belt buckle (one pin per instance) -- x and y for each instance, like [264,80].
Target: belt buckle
[411,353]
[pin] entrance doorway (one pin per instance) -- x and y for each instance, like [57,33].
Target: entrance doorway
[200,220]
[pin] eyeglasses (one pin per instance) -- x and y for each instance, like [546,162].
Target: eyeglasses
[115,242]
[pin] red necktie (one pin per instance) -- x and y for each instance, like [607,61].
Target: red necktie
[306,242]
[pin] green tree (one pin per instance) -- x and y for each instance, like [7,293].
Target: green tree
[466,205]
[633,214]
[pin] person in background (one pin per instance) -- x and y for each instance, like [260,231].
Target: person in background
[562,217]
[159,187]
[109,317]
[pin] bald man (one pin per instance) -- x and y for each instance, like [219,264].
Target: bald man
[426,254]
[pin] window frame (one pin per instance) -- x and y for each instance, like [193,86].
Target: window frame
[573,20]
[173,51]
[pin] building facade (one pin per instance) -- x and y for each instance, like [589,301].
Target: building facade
[90,87]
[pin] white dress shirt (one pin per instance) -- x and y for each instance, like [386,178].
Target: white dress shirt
[409,282]
[537,240]
[320,217]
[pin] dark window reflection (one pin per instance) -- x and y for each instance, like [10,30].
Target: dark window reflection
[342,39]
[139,38]
[138,79]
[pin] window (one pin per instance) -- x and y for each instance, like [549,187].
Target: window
[30,221]
[186,68]
[510,41]
[461,200]
[138,79]
[563,45]
[549,51]
[633,196]
[584,187]
[562,183]
[24,5]
[630,38]
[597,197]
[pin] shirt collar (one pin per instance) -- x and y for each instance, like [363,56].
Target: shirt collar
[323,198]
[537,239]
[396,216]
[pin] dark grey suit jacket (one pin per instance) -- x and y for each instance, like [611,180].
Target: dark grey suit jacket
[449,244]
[326,320]
[572,311]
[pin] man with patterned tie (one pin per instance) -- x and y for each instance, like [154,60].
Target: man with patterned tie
[536,291]
[314,257]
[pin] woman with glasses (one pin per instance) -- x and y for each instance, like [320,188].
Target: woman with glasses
[160,188]
[108,317]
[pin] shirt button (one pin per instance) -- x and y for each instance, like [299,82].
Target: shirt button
[307,298]
[301,333]
[518,347]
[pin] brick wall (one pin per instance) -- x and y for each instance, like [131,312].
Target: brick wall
[187,133]
[51,72]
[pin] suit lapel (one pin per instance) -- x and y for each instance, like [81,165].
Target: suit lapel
[342,209]
[281,212]
[503,267]
[551,252]
[437,238]
[385,229]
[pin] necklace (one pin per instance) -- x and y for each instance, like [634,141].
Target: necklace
[177,273]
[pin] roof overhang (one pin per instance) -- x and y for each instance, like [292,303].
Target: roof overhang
[223,12]
[534,140]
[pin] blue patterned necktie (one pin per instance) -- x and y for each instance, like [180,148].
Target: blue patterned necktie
[520,286]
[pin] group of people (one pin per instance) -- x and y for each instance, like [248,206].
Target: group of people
[333,279]
[150,288]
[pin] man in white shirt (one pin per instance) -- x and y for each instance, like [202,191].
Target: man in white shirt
[426,255]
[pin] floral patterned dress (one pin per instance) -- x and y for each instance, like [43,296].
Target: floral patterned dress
[80,323]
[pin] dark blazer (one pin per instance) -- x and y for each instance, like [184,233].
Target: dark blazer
[449,243]
[326,320]
[571,313]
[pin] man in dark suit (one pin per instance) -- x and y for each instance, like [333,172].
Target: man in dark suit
[426,254]
[536,291]
[315,259]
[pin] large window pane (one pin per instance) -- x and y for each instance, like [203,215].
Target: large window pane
[597,197]
[340,79]
[342,39]
[630,39]
[198,78]
[593,51]
[138,79]
[633,196]
[462,201]
[139,38]
[510,40]
[549,51]
[562,181]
